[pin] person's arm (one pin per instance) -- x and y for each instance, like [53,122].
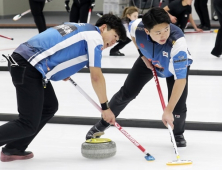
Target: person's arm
[172,18]
[99,86]
[177,91]
[178,67]
[145,60]
[67,5]
[193,24]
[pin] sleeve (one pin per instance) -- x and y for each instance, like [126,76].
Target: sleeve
[94,48]
[133,25]
[172,5]
[179,59]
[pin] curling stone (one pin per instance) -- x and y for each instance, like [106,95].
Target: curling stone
[98,148]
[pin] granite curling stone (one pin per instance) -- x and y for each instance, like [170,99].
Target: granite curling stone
[98,148]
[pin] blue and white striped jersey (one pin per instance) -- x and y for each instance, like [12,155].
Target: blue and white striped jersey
[169,59]
[61,51]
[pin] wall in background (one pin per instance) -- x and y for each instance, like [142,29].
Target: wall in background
[13,7]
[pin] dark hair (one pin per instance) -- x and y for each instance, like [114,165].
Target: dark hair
[113,22]
[155,16]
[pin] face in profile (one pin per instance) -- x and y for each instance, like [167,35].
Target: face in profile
[159,33]
[109,36]
[133,16]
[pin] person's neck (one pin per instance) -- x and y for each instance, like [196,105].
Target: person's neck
[184,3]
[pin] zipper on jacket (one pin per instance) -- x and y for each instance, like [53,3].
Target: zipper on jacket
[47,65]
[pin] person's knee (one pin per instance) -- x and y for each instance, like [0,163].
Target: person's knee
[179,123]
[125,95]
[52,110]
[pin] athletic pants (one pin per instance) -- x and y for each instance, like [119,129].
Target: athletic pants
[36,106]
[136,79]
[36,9]
[120,45]
[79,11]
[202,11]
[217,50]
[182,20]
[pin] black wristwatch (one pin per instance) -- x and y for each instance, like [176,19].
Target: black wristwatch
[105,105]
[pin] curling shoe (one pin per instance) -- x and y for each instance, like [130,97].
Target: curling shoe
[180,141]
[116,53]
[8,155]
[98,127]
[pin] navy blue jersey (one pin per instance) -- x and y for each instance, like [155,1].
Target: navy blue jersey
[61,51]
[169,59]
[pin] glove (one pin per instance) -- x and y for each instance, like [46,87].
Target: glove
[67,5]
[92,4]
[46,1]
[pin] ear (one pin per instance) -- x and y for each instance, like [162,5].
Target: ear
[103,27]
[128,16]
[147,32]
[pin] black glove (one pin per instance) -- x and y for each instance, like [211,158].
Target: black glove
[46,1]
[67,5]
[92,4]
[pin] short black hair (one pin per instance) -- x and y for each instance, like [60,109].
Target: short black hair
[113,22]
[155,16]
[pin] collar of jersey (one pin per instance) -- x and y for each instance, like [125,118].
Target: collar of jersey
[150,40]
[98,29]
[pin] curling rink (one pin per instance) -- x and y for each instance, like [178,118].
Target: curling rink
[58,146]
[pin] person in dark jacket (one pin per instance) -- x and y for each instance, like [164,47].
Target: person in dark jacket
[217,50]
[180,12]
[79,10]
[202,12]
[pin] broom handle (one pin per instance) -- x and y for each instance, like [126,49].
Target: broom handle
[164,106]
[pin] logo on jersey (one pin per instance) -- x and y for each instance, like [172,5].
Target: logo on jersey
[158,66]
[165,54]
[139,28]
[177,116]
[173,42]
[65,29]
[142,45]
[181,59]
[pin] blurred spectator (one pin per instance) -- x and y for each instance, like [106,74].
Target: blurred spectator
[202,11]
[79,11]
[217,50]
[129,14]
[180,12]
[36,7]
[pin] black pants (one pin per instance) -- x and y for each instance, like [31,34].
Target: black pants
[136,79]
[36,9]
[79,12]
[182,20]
[120,45]
[217,50]
[36,106]
[202,11]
